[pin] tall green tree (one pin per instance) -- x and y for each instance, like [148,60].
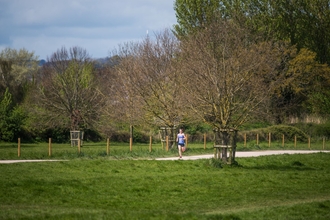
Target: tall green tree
[194,15]
[304,23]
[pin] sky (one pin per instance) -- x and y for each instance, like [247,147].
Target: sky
[99,26]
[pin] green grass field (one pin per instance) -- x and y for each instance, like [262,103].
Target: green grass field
[92,185]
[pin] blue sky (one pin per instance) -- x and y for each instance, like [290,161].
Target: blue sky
[99,26]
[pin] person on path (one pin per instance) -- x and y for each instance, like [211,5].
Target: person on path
[180,139]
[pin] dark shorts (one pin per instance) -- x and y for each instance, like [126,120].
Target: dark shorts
[181,144]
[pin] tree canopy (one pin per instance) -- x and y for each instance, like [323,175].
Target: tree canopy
[304,23]
[67,90]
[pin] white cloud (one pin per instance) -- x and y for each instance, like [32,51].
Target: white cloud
[98,26]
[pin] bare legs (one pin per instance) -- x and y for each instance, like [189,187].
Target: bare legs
[180,150]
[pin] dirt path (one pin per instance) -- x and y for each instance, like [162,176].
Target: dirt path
[248,154]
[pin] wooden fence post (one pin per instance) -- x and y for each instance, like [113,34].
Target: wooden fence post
[19,147]
[323,145]
[269,138]
[204,141]
[295,141]
[282,140]
[309,142]
[108,146]
[257,139]
[150,145]
[79,147]
[50,147]
[166,143]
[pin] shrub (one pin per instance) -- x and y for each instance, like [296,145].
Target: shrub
[277,131]
[315,130]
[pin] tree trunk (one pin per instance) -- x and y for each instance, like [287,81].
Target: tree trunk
[226,137]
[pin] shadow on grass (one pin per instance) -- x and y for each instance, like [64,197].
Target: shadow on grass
[293,166]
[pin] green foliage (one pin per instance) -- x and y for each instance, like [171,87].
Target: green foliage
[315,130]
[12,119]
[289,132]
[277,131]
[194,15]
[196,128]
[319,102]
[18,69]
[58,135]
[254,125]
[67,94]
[302,24]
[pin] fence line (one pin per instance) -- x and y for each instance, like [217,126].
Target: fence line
[257,139]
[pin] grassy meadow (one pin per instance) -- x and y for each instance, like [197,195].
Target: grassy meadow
[131,185]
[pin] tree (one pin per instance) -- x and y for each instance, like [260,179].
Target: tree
[12,118]
[308,80]
[303,24]
[194,15]
[149,81]
[229,67]
[17,71]
[68,94]
[116,112]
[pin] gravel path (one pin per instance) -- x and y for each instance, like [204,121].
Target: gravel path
[248,154]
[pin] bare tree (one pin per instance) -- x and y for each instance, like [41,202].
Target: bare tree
[226,70]
[149,81]
[68,94]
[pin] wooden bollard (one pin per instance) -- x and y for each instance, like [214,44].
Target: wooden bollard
[50,147]
[269,139]
[150,144]
[108,146]
[19,147]
[166,143]
[309,143]
[295,141]
[257,139]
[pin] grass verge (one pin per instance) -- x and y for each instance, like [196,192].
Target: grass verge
[267,187]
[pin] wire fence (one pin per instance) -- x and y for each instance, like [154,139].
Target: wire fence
[194,142]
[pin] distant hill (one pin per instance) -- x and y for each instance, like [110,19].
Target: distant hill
[99,62]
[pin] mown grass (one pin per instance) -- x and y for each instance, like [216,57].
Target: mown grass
[267,187]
